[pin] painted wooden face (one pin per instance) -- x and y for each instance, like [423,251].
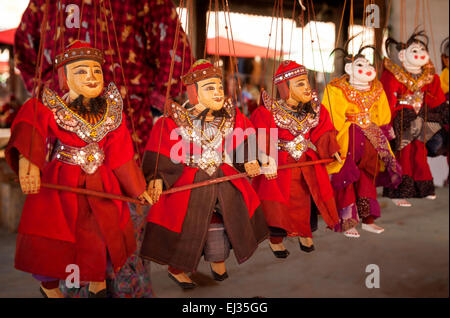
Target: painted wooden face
[210,93]
[300,89]
[84,77]
[416,55]
[361,70]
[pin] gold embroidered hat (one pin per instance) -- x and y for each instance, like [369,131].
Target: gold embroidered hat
[200,70]
[79,50]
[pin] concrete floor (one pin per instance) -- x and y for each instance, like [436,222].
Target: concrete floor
[412,254]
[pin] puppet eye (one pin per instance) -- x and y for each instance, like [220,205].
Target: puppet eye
[98,71]
[80,72]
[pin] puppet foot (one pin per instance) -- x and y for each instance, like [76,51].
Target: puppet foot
[306,244]
[431,197]
[352,233]
[97,289]
[51,293]
[402,203]
[182,280]
[372,228]
[279,250]
[219,271]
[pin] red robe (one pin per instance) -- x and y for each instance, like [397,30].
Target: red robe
[280,202]
[178,222]
[398,83]
[59,228]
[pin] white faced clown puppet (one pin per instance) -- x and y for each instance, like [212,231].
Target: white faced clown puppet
[362,117]
[417,104]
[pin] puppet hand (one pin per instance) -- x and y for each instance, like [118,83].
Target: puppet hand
[269,169]
[29,176]
[338,157]
[154,189]
[145,197]
[252,168]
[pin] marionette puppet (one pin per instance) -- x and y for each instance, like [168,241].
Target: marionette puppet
[192,145]
[305,133]
[81,142]
[417,105]
[362,116]
[437,145]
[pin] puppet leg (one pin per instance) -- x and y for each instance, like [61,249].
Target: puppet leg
[217,247]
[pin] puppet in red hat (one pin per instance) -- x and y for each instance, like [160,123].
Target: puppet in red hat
[80,141]
[305,133]
[207,138]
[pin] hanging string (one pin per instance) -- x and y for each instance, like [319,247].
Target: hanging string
[207,27]
[125,83]
[187,31]
[292,29]
[341,24]
[169,82]
[38,75]
[268,46]
[323,65]
[95,23]
[81,19]
[275,51]
[239,88]
[62,28]
[57,28]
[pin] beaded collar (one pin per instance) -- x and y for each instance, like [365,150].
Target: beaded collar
[283,119]
[364,99]
[211,157]
[69,120]
[404,77]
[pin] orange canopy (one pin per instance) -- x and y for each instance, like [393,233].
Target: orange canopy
[242,49]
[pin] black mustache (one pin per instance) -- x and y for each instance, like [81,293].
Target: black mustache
[305,109]
[96,105]
[216,113]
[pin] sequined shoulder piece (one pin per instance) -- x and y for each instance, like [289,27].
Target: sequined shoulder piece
[364,100]
[406,79]
[71,121]
[284,120]
[180,115]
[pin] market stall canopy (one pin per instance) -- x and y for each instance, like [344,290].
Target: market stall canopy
[7,36]
[238,49]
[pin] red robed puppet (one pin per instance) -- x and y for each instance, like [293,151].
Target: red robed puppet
[191,145]
[305,133]
[82,141]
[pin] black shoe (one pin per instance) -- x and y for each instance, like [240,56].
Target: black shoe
[183,285]
[306,248]
[219,277]
[43,292]
[100,294]
[280,254]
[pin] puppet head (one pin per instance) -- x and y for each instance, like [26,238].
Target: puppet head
[292,82]
[358,67]
[444,53]
[80,70]
[204,85]
[414,53]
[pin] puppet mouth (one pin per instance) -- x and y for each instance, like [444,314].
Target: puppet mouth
[218,99]
[92,85]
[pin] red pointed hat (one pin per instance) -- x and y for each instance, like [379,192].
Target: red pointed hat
[288,70]
[200,70]
[79,50]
